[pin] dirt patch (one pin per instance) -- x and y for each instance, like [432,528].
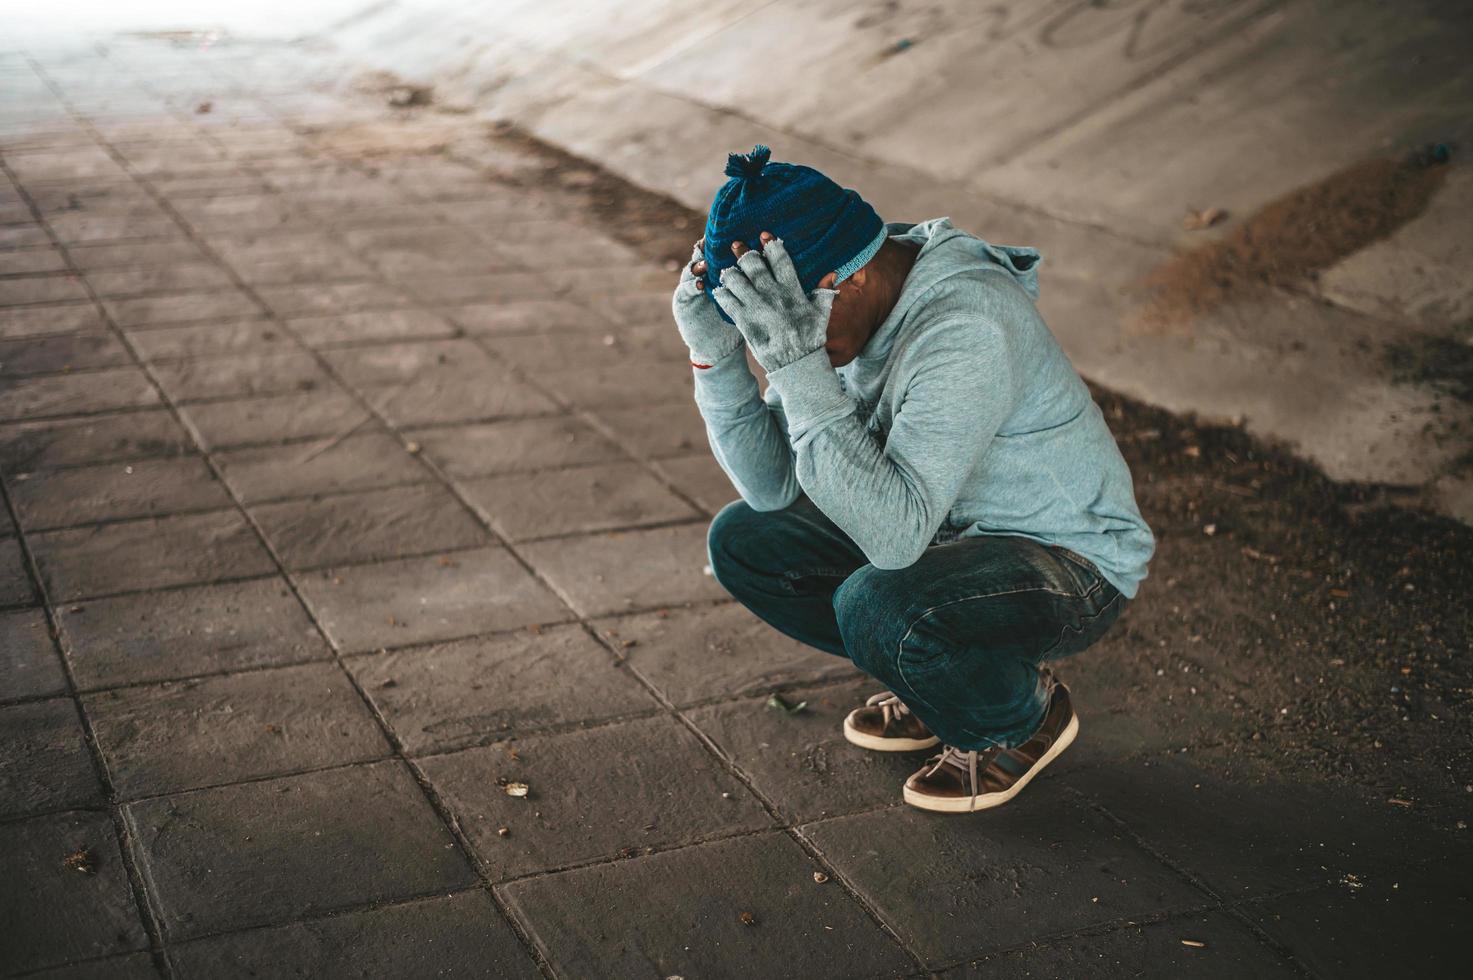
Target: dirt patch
[1295,236]
[656,225]
[1441,363]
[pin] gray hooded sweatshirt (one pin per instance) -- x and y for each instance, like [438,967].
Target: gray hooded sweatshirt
[961,416]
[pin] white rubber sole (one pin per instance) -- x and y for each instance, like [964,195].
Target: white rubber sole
[876,744]
[986,801]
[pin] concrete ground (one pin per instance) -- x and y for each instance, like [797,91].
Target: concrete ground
[345,498]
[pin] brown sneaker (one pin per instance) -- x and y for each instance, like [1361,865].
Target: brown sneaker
[885,724]
[958,781]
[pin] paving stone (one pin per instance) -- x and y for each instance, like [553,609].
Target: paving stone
[525,316]
[63,352]
[212,339]
[957,887]
[417,600]
[610,279]
[44,761]
[95,195]
[361,462]
[25,290]
[32,260]
[149,279]
[257,373]
[701,478]
[800,760]
[458,935]
[291,257]
[360,527]
[148,554]
[182,632]
[1269,834]
[144,311]
[385,364]
[1409,921]
[487,287]
[374,326]
[53,914]
[67,394]
[674,430]
[134,966]
[686,924]
[59,164]
[1230,952]
[425,251]
[113,491]
[441,397]
[144,222]
[29,235]
[624,571]
[513,445]
[15,581]
[641,309]
[29,664]
[29,446]
[600,386]
[466,692]
[586,498]
[183,734]
[702,652]
[633,346]
[317,414]
[35,321]
[596,794]
[263,852]
[331,298]
[165,255]
[208,185]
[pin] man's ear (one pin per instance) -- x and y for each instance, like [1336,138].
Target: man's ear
[828,281]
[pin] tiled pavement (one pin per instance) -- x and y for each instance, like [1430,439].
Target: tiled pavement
[334,504]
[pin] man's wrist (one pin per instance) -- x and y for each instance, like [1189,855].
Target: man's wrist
[810,391]
[726,381]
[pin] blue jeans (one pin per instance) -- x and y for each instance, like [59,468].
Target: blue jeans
[959,635]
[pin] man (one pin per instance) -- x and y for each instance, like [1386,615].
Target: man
[927,487]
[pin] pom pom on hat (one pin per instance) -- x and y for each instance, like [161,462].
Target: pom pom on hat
[748,165]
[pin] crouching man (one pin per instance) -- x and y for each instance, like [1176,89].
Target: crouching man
[927,487]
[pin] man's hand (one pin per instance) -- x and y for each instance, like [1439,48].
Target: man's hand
[708,337]
[781,323]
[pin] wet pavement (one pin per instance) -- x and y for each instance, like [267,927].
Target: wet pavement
[353,618]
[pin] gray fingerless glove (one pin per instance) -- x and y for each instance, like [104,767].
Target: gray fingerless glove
[708,337]
[781,323]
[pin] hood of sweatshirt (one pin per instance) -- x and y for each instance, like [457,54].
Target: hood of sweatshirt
[947,251]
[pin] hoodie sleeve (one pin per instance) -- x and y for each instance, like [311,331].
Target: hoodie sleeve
[959,386]
[748,435]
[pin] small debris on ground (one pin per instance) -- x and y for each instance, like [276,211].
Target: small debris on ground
[777,701]
[748,919]
[411,96]
[819,877]
[204,107]
[1206,218]
[80,860]
[515,789]
[503,831]
[1194,943]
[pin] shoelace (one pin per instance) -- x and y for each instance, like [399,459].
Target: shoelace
[890,705]
[966,760]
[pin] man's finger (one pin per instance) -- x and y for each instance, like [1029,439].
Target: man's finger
[781,265]
[754,264]
[726,300]
[739,249]
[734,279]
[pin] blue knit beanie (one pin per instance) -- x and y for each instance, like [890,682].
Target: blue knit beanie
[824,227]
